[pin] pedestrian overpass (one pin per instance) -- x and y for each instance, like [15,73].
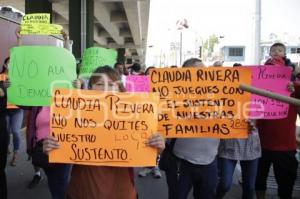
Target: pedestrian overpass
[119,24]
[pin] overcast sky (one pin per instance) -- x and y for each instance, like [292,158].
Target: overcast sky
[229,18]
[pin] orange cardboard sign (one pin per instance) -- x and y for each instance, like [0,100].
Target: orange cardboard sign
[103,128]
[202,102]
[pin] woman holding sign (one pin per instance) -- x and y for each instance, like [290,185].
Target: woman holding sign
[14,117]
[95,182]
[38,129]
[278,138]
[247,151]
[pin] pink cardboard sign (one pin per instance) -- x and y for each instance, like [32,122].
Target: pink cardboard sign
[137,83]
[271,78]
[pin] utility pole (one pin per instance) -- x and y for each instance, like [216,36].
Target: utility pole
[180,48]
[257,33]
[181,24]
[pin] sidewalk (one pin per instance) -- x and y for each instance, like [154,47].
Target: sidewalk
[147,187]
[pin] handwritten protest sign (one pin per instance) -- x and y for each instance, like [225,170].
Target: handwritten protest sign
[36,18]
[103,128]
[95,56]
[41,29]
[39,24]
[202,102]
[35,70]
[137,83]
[271,78]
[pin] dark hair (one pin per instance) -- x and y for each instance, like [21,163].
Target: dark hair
[5,62]
[148,70]
[173,66]
[218,63]
[278,44]
[111,73]
[136,67]
[117,63]
[237,64]
[191,62]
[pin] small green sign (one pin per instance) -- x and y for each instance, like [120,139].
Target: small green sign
[94,57]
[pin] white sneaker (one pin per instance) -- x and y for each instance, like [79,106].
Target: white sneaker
[144,172]
[156,172]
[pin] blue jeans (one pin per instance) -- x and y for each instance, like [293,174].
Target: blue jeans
[58,180]
[14,121]
[226,169]
[203,179]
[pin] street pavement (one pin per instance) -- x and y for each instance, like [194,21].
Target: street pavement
[147,187]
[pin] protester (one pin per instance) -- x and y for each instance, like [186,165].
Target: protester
[278,140]
[14,119]
[155,171]
[278,57]
[57,174]
[196,165]
[38,129]
[95,182]
[193,62]
[135,69]
[120,68]
[218,63]
[246,151]
[31,140]
[237,64]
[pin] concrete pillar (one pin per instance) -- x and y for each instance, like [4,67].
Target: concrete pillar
[90,23]
[81,25]
[121,55]
[75,26]
[257,32]
[38,6]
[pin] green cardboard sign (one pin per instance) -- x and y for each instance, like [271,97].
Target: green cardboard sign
[35,70]
[94,57]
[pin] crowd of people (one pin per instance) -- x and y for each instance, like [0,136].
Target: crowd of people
[205,165]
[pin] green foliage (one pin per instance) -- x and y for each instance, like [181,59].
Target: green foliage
[210,43]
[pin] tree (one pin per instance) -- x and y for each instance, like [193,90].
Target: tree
[210,43]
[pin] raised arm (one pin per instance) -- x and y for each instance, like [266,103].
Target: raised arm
[66,40]
[18,35]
